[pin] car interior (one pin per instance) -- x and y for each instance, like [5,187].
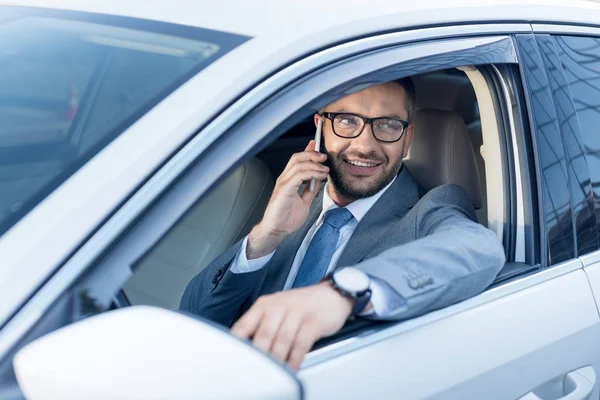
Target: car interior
[455,118]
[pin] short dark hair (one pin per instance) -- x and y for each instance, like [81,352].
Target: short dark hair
[411,96]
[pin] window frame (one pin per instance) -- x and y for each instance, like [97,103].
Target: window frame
[282,108]
[524,171]
[252,125]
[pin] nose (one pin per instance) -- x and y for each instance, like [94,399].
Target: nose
[366,141]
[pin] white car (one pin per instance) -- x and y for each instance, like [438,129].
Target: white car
[139,139]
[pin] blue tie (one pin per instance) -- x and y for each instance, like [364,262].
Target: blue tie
[321,248]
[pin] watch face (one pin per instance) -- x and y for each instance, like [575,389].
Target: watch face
[351,280]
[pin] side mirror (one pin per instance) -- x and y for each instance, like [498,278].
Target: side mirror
[148,353]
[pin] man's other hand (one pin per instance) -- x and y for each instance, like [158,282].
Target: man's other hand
[287,209]
[287,324]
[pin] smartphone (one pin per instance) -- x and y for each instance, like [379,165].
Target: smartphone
[317,148]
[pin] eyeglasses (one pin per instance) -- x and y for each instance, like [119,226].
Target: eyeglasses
[349,126]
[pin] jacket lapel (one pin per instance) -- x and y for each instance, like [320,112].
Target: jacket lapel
[281,263]
[395,202]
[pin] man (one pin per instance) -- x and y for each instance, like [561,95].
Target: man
[395,251]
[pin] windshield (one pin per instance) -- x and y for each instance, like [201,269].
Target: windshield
[71,82]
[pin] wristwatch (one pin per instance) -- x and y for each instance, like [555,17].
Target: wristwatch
[353,284]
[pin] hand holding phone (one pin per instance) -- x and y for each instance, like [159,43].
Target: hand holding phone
[317,148]
[289,206]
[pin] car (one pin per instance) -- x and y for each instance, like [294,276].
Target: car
[138,140]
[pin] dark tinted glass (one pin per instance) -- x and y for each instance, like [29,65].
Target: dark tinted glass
[556,219]
[577,166]
[72,82]
[580,57]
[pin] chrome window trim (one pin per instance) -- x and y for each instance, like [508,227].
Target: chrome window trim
[571,30]
[520,229]
[41,301]
[375,335]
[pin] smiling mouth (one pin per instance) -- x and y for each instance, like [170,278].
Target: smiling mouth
[362,164]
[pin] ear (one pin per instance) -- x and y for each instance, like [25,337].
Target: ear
[408,135]
[317,117]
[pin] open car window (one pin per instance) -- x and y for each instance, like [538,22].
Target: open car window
[230,210]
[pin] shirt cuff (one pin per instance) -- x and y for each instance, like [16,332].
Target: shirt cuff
[241,264]
[384,300]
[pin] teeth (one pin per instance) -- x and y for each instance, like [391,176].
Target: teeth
[361,164]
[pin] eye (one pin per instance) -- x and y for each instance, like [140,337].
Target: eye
[347,120]
[390,124]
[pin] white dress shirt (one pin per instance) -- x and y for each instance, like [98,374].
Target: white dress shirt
[384,299]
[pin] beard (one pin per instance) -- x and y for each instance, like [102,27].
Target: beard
[346,186]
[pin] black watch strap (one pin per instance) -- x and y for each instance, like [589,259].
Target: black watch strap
[360,299]
[361,302]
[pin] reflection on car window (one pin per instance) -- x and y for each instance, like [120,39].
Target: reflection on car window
[555,196]
[71,84]
[580,58]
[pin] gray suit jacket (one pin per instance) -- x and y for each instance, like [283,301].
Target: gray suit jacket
[427,247]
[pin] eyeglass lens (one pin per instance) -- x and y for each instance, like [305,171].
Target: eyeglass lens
[384,129]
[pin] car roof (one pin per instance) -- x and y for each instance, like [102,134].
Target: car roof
[258,17]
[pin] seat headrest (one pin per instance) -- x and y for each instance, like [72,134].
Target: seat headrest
[441,152]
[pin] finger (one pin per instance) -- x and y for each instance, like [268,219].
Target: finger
[248,323]
[286,336]
[295,179]
[314,156]
[307,195]
[291,183]
[305,339]
[311,145]
[268,329]
[303,166]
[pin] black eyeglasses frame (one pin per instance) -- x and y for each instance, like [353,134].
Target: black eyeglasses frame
[331,116]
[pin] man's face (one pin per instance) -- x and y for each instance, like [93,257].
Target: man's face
[350,181]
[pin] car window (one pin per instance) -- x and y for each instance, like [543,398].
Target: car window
[72,82]
[556,219]
[580,58]
[582,205]
[220,219]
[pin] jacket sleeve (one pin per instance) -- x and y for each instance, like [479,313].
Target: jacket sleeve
[453,258]
[218,294]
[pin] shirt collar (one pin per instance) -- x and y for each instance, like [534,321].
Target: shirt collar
[358,208]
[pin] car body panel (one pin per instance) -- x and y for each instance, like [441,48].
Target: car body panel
[505,348]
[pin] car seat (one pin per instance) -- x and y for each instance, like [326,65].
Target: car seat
[441,152]
[210,227]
